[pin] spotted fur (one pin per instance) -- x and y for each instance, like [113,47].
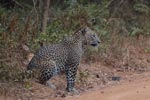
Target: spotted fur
[64,56]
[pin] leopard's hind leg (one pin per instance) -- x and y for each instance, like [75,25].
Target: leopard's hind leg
[47,71]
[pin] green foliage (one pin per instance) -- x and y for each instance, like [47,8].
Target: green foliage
[136,31]
[2,14]
[2,30]
[147,50]
[10,73]
[28,85]
[2,10]
[142,8]
[68,20]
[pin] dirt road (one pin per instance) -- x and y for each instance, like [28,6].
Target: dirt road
[134,88]
[130,90]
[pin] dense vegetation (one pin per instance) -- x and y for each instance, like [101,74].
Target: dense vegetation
[20,27]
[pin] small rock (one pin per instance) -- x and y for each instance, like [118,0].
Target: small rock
[52,86]
[116,78]
[25,47]
[102,91]
[63,95]
[97,76]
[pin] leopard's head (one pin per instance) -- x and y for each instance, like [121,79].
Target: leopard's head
[90,36]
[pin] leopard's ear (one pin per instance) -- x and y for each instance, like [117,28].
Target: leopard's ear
[83,30]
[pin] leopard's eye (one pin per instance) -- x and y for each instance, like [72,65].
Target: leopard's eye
[93,35]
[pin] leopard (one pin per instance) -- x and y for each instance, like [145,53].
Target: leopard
[64,57]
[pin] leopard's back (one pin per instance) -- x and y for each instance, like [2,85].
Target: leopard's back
[52,52]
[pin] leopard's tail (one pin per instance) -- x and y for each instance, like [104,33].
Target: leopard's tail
[31,64]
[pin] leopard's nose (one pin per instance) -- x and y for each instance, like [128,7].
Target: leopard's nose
[98,42]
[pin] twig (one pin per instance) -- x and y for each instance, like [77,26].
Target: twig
[36,12]
[34,3]
[17,3]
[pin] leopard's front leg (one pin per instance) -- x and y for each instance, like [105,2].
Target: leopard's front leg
[71,72]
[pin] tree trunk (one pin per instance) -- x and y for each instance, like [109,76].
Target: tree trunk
[45,15]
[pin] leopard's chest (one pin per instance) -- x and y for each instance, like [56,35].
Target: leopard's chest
[74,55]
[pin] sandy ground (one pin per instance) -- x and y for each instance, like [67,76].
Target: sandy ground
[138,89]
